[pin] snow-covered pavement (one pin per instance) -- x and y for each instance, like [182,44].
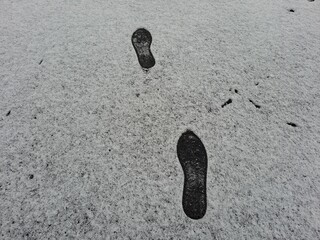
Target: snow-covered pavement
[88,141]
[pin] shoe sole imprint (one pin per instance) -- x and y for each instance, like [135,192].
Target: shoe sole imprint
[141,40]
[193,159]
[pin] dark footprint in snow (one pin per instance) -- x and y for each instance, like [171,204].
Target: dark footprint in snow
[141,41]
[193,159]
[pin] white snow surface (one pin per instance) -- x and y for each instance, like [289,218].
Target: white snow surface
[88,140]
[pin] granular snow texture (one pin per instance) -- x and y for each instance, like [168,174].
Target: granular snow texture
[88,140]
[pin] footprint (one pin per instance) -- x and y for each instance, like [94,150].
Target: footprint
[141,41]
[193,159]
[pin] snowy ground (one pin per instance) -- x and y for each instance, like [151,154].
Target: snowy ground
[88,140]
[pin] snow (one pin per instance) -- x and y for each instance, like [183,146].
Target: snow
[99,135]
